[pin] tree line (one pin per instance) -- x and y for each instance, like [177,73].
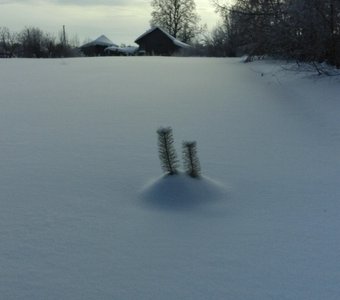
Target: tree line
[305,30]
[34,42]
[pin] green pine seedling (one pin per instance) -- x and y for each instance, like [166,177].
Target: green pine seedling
[166,150]
[190,159]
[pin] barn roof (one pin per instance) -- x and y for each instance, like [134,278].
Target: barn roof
[173,39]
[100,41]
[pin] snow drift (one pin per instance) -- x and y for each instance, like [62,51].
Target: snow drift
[181,192]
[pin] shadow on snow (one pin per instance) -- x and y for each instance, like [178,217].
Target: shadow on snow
[181,192]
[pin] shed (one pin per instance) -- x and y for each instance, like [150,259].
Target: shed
[117,51]
[156,41]
[97,46]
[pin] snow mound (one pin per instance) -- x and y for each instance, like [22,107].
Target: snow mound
[181,192]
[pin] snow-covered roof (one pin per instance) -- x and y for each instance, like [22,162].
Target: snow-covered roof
[100,41]
[174,40]
[126,50]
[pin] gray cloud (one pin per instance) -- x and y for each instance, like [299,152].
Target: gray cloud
[99,2]
[79,2]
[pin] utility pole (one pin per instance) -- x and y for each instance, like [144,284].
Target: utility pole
[64,36]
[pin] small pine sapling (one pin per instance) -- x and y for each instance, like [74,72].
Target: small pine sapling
[190,159]
[166,150]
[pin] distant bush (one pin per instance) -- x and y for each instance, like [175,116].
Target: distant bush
[33,42]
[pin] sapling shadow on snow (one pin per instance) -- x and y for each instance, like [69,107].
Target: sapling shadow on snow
[166,150]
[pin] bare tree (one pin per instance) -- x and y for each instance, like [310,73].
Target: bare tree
[33,42]
[177,17]
[306,30]
[8,41]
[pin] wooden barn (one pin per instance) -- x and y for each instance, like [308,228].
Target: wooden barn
[97,47]
[157,41]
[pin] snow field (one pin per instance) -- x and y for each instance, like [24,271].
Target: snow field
[84,213]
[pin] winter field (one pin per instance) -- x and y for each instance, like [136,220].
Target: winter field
[86,214]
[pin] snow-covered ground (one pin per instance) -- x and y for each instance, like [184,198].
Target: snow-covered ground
[85,213]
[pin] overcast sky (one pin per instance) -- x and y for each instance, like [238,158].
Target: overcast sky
[122,21]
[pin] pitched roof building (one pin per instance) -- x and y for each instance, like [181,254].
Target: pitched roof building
[116,51]
[157,41]
[97,46]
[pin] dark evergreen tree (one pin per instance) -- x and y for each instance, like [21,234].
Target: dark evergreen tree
[191,162]
[167,152]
